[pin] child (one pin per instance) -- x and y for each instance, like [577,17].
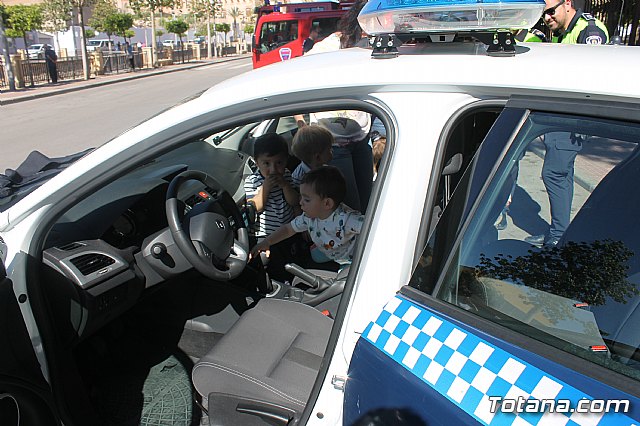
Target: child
[270,188]
[332,225]
[312,145]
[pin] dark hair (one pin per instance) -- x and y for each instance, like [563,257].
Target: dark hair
[270,144]
[349,27]
[310,141]
[327,182]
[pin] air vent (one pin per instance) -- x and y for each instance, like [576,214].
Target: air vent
[92,262]
[70,246]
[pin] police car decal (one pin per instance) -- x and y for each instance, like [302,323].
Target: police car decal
[472,373]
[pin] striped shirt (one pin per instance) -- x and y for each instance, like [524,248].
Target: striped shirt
[276,212]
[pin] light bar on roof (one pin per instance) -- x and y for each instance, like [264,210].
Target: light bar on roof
[440,16]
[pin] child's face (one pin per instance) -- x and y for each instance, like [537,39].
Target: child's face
[313,205]
[272,164]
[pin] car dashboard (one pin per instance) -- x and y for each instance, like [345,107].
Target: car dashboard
[100,253]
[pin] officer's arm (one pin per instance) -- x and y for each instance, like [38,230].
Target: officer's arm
[592,34]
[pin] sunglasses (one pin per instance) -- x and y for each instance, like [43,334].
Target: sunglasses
[552,10]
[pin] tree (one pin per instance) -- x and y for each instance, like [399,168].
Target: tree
[152,6]
[56,15]
[249,28]
[102,19]
[21,19]
[89,33]
[122,23]
[4,44]
[179,27]
[234,12]
[223,28]
[208,8]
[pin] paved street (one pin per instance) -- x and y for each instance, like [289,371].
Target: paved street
[88,114]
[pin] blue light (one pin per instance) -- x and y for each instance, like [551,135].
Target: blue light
[446,16]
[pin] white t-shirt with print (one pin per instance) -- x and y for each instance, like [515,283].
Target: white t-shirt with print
[336,235]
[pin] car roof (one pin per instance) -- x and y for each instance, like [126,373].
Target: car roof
[458,66]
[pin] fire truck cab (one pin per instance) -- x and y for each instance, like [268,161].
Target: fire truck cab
[282,28]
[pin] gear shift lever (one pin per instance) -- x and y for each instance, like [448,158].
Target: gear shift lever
[317,283]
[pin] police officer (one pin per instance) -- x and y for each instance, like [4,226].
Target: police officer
[572,26]
[568,25]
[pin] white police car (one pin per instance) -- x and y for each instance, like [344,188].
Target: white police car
[114,313]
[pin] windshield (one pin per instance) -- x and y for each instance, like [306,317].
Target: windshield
[93,43]
[35,47]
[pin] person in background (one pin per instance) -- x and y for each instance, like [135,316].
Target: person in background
[52,63]
[350,129]
[569,26]
[307,45]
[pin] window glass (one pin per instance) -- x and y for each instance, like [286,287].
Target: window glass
[325,26]
[572,181]
[276,34]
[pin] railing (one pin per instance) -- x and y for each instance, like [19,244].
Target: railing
[608,11]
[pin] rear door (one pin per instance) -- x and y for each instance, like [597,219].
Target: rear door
[25,397]
[494,330]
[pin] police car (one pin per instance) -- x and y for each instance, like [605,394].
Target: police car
[123,304]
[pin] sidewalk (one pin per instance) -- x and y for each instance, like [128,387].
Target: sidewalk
[66,86]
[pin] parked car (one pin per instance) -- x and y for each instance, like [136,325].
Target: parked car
[128,300]
[171,43]
[36,51]
[103,45]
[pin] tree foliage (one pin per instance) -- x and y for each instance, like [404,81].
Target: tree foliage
[102,17]
[121,23]
[56,15]
[177,26]
[21,19]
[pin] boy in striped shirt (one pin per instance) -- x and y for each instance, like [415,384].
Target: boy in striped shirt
[270,189]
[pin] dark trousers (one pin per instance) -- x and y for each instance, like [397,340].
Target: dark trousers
[53,71]
[557,176]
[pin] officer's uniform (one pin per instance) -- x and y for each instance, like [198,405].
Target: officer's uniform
[583,29]
[563,147]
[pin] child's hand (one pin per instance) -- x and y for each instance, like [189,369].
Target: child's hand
[261,246]
[276,180]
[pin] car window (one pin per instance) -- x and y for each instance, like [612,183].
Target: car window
[276,34]
[325,26]
[579,293]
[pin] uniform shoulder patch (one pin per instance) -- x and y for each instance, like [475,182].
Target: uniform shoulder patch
[588,16]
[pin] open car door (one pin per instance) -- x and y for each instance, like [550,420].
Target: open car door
[25,396]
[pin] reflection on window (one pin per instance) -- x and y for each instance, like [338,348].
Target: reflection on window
[553,248]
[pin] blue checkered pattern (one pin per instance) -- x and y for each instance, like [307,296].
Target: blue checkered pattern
[467,370]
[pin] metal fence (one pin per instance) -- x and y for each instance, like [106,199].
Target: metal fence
[622,17]
[35,70]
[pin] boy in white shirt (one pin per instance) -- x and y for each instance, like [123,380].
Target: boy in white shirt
[332,225]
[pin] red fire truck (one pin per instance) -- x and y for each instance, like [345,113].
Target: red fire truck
[282,28]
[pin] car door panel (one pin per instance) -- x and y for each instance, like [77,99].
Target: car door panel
[24,394]
[411,351]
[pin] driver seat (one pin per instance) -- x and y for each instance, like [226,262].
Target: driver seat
[272,354]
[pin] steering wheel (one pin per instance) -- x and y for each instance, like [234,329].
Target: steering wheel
[205,237]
